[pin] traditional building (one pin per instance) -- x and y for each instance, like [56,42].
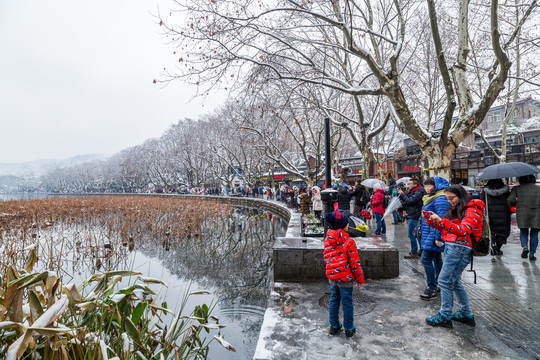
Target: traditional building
[525,109]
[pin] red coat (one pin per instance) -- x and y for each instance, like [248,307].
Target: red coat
[341,257]
[458,232]
[377,201]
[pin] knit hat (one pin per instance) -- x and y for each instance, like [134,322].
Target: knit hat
[335,186]
[336,220]
[377,186]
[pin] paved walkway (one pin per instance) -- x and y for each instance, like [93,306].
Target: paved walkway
[390,315]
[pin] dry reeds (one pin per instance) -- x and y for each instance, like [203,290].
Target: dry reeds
[96,228]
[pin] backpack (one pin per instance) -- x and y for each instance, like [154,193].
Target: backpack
[364,197]
[480,247]
[385,201]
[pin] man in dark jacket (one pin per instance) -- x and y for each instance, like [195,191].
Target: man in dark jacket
[344,197]
[391,182]
[527,214]
[413,206]
[360,200]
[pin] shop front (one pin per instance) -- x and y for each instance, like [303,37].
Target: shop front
[459,176]
[409,166]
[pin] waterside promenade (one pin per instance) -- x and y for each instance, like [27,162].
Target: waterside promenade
[390,316]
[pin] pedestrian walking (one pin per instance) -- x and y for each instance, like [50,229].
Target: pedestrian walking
[463,218]
[430,239]
[317,201]
[413,206]
[378,210]
[526,199]
[494,196]
[343,271]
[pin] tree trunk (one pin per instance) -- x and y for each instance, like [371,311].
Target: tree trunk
[439,157]
[365,166]
[366,153]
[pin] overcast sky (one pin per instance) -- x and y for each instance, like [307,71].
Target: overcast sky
[76,78]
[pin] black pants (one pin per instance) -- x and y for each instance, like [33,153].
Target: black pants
[357,211]
[497,241]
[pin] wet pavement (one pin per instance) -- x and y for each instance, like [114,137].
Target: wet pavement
[390,316]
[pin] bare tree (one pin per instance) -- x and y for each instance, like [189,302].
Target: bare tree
[222,39]
[523,52]
[288,127]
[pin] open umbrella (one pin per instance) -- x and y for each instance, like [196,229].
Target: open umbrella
[371,182]
[468,188]
[403,180]
[500,171]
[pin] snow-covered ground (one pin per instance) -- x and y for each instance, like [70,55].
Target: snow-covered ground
[505,302]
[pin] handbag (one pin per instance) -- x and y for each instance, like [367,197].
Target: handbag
[417,231]
[366,214]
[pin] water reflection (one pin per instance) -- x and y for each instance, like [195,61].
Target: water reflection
[231,257]
[23,196]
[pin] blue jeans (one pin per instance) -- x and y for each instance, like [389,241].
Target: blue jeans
[343,295]
[397,218]
[412,239]
[456,259]
[432,261]
[381,225]
[524,237]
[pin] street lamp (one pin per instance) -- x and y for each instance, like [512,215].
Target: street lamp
[328,195]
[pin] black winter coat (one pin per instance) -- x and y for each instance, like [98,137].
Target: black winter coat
[391,184]
[413,202]
[361,198]
[498,210]
[344,197]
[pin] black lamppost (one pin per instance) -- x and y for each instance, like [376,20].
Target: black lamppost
[328,195]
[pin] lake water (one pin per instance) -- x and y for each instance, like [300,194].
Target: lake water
[231,258]
[23,196]
[234,264]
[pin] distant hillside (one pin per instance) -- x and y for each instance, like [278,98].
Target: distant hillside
[40,167]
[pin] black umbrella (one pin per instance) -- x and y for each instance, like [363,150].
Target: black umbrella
[500,171]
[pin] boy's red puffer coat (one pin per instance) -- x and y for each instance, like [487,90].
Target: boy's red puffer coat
[458,232]
[341,257]
[377,201]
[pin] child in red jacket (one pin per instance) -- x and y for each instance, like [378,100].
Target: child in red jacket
[343,271]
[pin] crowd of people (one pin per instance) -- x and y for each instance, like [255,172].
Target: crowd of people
[441,219]
[443,222]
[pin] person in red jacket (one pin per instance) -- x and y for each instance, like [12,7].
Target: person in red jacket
[463,218]
[378,210]
[343,271]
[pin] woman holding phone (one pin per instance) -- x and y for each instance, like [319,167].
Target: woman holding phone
[463,218]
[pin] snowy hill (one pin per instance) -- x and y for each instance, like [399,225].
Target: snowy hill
[40,167]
